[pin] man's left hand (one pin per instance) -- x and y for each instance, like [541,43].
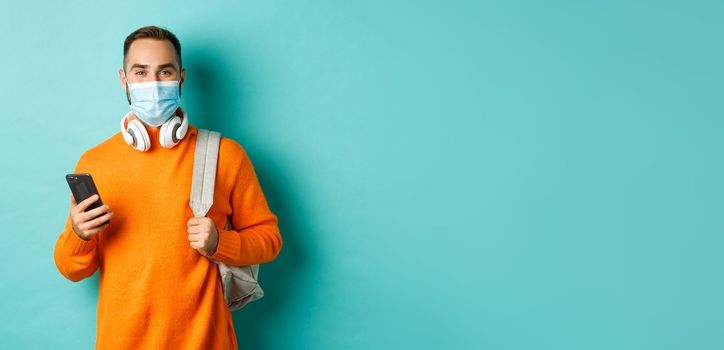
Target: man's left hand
[203,235]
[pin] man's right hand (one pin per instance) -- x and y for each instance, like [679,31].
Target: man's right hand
[84,224]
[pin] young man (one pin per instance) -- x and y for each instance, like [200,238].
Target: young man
[158,287]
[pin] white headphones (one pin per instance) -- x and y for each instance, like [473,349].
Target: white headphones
[172,131]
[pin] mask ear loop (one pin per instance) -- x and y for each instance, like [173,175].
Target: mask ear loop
[179,85]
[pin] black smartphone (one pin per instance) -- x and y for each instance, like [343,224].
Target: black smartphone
[82,187]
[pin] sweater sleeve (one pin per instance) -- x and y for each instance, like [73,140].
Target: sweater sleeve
[75,257]
[254,237]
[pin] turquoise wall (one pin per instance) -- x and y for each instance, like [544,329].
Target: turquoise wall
[448,175]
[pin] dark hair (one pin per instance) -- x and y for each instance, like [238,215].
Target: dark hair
[152,32]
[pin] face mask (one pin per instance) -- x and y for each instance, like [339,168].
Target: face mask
[154,102]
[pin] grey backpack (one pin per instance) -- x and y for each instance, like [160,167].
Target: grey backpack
[239,282]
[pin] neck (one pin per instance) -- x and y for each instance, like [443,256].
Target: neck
[178,113]
[133,116]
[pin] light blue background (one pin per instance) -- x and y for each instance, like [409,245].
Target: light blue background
[448,175]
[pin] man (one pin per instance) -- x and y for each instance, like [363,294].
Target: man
[159,288]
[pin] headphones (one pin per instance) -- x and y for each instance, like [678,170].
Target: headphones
[172,131]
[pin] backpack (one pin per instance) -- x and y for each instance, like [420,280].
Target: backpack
[239,283]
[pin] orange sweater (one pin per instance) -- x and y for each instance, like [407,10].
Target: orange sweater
[156,291]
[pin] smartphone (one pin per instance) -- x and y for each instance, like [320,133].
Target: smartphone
[82,187]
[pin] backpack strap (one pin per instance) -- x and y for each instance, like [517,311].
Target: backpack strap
[204,175]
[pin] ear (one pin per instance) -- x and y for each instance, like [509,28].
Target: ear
[122,78]
[183,77]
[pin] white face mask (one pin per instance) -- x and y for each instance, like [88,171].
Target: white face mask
[154,102]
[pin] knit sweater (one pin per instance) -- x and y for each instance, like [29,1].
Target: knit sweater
[155,290]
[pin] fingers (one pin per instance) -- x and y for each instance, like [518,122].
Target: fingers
[100,220]
[83,205]
[85,216]
[85,223]
[202,234]
[196,245]
[197,229]
[198,242]
[92,232]
[201,220]
[198,233]
[91,224]
[195,238]
[87,230]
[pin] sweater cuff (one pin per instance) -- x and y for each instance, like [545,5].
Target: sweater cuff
[77,245]
[227,249]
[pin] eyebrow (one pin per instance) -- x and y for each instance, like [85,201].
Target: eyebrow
[160,66]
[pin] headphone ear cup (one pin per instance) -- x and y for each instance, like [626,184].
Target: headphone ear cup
[183,128]
[140,136]
[167,137]
[130,140]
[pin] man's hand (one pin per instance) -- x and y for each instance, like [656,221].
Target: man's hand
[203,235]
[85,224]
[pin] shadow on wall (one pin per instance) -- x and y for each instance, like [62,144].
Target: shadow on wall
[216,96]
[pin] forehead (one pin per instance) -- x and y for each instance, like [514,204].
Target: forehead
[151,52]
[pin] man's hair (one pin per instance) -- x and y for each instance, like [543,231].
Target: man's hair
[152,32]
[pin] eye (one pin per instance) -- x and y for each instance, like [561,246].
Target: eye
[140,72]
[165,72]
